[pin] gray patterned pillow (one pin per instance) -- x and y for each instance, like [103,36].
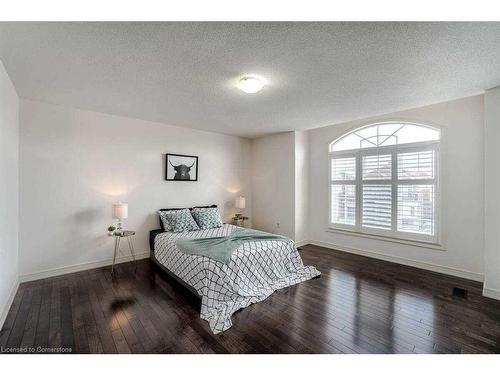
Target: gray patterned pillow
[207,218]
[164,221]
[178,220]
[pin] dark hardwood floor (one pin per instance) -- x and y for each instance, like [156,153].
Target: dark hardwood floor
[359,305]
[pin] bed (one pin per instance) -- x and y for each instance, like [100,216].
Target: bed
[256,269]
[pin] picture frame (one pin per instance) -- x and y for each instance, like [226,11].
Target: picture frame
[180,167]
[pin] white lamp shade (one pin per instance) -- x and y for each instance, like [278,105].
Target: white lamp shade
[239,202]
[120,211]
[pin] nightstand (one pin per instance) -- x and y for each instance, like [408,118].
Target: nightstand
[239,220]
[118,236]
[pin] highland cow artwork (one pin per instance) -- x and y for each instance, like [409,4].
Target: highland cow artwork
[181,167]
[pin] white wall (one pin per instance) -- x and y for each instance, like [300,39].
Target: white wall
[492,190]
[280,185]
[301,186]
[462,190]
[273,183]
[9,198]
[74,164]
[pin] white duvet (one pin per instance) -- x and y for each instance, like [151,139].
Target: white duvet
[255,271]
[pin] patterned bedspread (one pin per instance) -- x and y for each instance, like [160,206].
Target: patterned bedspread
[255,271]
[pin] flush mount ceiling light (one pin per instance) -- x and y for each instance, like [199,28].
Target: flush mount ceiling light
[250,85]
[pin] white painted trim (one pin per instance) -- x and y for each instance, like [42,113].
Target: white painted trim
[301,243]
[491,293]
[427,245]
[408,262]
[78,267]
[6,307]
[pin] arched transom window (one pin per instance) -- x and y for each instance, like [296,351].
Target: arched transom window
[384,181]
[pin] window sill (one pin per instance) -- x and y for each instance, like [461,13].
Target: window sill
[427,245]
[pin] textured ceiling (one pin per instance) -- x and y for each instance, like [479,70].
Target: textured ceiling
[184,73]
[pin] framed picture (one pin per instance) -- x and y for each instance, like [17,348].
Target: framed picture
[181,167]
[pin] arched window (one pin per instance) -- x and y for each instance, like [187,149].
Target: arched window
[384,181]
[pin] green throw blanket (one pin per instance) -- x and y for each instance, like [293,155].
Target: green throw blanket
[221,248]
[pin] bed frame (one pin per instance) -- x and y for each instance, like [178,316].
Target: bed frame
[189,288]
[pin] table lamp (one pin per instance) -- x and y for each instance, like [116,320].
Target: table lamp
[240,204]
[119,211]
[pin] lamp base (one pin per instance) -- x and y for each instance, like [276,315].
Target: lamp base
[119,228]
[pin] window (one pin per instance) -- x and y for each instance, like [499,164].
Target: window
[384,181]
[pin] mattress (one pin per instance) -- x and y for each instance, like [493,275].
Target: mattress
[255,271]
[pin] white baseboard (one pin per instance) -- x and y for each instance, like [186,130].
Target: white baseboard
[301,243]
[400,260]
[78,267]
[491,293]
[8,304]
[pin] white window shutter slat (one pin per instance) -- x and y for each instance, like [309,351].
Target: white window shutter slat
[377,167]
[343,169]
[343,204]
[416,165]
[377,206]
[416,209]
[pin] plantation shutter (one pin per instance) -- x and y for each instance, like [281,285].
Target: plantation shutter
[416,192]
[377,197]
[343,191]
[384,181]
